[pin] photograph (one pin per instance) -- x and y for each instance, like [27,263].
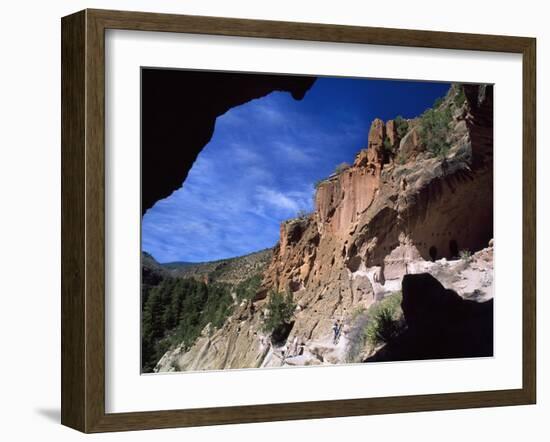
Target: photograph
[292,220]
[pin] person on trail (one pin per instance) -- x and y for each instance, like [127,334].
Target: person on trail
[284,355]
[301,345]
[294,348]
[336,330]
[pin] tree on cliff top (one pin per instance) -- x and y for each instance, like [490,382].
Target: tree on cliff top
[401,126]
[341,167]
[434,130]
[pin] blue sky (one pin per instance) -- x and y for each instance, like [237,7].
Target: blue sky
[261,164]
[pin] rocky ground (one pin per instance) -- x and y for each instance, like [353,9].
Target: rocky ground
[471,277]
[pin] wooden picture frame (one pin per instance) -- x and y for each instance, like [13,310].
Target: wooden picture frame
[83,220]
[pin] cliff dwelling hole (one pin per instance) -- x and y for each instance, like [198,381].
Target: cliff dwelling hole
[433,253]
[354,263]
[280,334]
[453,248]
[352,250]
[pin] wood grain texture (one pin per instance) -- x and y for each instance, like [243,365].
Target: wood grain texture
[529,220]
[73,254]
[145,21]
[83,220]
[95,222]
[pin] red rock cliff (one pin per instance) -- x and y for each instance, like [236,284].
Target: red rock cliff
[396,196]
[398,204]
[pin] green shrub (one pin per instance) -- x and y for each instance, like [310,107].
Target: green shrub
[341,167]
[357,312]
[465,255]
[401,126]
[438,102]
[176,311]
[383,328]
[434,130]
[280,311]
[248,288]
[384,320]
[380,323]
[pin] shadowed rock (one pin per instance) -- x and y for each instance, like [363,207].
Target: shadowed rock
[281,332]
[440,324]
[179,111]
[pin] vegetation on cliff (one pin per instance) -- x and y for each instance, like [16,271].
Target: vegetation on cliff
[341,167]
[385,320]
[435,123]
[434,130]
[401,126]
[248,288]
[379,324]
[280,311]
[176,310]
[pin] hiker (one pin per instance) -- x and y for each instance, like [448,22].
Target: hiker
[301,346]
[336,330]
[284,354]
[294,346]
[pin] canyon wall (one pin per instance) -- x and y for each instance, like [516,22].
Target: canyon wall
[398,204]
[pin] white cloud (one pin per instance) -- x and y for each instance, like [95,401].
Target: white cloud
[276,199]
[269,114]
[294,153]
[274,202]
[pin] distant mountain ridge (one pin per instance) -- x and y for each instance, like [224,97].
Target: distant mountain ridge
[231,270]
[178,264]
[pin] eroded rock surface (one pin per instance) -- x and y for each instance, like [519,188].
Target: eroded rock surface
[398,210]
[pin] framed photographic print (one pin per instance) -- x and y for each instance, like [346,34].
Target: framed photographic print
[268,220]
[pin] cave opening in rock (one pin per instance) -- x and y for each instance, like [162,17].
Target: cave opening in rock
[280,333]
[433,253]
[453,248]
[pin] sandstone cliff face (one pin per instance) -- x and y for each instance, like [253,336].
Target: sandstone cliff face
[397,209]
